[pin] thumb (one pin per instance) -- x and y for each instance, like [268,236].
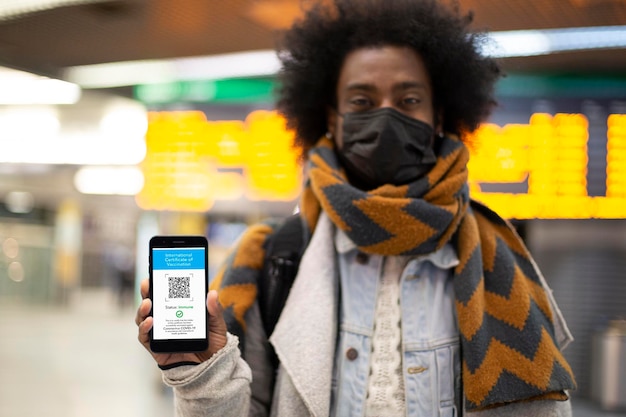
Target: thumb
[217,325]
[215,308]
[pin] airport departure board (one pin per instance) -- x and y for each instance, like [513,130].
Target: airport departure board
[554,148]
[552,158]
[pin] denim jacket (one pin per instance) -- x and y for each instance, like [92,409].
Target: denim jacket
[430,336]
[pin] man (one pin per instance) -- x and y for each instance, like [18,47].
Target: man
[410,299]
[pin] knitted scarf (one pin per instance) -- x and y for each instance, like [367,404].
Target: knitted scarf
[509,352]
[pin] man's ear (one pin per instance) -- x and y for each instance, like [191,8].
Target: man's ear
[438,122]
[331,120]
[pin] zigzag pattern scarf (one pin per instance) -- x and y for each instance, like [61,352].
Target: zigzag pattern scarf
[508,344]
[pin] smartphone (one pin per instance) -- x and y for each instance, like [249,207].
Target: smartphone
[178,289]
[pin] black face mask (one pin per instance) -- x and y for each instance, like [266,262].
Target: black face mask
[384,146]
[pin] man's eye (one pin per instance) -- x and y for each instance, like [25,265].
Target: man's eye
[410,101]
[360,102]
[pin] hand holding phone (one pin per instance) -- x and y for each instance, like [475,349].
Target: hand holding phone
[217,330]
[178,291]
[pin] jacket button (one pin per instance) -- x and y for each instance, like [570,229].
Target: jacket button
[362,258]
[352,354]
[416,370]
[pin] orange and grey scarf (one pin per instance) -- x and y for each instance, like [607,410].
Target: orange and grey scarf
[508,343]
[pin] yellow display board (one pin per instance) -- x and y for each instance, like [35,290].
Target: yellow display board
[550,154]
[191,162]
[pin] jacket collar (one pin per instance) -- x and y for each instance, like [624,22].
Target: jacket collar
[305,334]
[443,258]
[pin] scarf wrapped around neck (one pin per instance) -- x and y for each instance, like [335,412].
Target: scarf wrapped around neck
[508,343]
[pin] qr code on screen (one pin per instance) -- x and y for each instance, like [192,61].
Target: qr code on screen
[179,287]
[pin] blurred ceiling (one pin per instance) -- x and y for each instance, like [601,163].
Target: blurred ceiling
[98,31]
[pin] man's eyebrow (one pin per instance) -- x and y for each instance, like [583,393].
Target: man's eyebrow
[360,87]
[407,85]
[404,85]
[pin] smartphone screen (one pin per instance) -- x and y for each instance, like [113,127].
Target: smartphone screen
[178,289]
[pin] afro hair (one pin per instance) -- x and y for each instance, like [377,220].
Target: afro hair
[312,52]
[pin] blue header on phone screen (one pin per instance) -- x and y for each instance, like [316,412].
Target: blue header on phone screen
[178,258]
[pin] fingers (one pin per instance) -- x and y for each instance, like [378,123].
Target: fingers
[143,311]
[142,318]
[144,322]
[144,286]
[146,304]
[144,332]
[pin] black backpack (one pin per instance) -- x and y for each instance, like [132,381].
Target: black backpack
[283,250]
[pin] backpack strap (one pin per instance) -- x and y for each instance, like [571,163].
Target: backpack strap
[283,250]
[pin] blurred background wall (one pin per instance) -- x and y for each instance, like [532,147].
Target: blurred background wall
[123,119]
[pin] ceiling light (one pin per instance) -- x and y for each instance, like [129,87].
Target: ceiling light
[603,37]
[10,9]
[245,64]
[124,121]
[542,42]
[517,43]
[109,180]
[11,247]
[15,271]
[35,135]
[19,202]
[116,74]
[18,87]
[22,122]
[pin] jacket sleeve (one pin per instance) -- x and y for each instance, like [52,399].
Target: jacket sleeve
[543,408]
[228,385]
[219,386]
